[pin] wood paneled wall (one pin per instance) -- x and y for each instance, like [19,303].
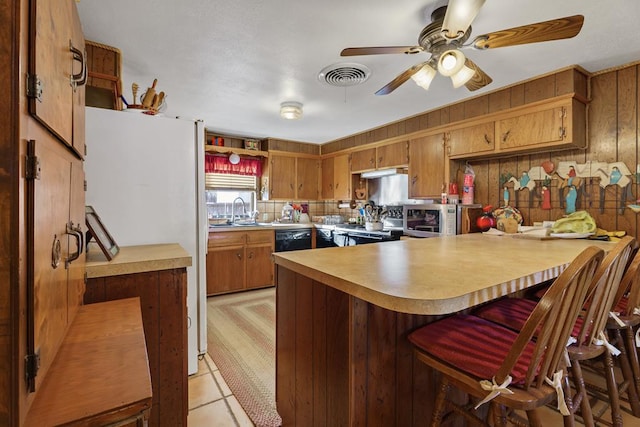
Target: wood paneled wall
[612,131]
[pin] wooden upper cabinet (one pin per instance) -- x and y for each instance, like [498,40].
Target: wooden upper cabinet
[58,71]
[308,178]
[426,166]
[336,178]
[363,160]
[474,139]
[327,178]
[556,125]
[282,177]
[294,177]
[382,157]
[392,155]
[341,178]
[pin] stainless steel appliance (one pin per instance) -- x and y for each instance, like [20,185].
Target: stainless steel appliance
[355,234]
[435,219]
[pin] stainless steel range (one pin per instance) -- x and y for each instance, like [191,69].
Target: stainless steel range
[355,234]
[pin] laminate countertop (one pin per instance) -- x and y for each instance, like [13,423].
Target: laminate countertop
[136,259]
[437,276]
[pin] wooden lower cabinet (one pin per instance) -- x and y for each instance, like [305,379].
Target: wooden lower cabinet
[239,260]
[163,300]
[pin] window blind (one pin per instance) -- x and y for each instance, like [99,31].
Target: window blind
[227,181]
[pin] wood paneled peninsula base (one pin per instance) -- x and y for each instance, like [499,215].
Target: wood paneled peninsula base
[157,275]
[343,314]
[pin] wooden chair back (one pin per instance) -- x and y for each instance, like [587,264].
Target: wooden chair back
[603,291]
[630,286]
[554,317]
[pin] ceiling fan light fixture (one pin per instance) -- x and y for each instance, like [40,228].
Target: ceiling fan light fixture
[458,18]
[451,62]
[424,76]
[291,110]
[463,76]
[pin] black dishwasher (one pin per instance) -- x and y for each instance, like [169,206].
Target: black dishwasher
[293,239]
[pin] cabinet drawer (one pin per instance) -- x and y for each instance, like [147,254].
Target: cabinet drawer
[226,239]
[260,236]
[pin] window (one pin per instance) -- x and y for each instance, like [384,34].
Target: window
[223,192]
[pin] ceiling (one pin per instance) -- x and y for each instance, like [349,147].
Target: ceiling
[232,63]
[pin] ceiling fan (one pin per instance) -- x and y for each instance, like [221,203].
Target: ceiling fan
[445,36]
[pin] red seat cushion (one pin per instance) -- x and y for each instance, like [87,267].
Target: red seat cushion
[514,312]
[473,345]
[621,307]
[509,312]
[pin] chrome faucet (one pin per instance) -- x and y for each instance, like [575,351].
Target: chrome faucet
[233,208]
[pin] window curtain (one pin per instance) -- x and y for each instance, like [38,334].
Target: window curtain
[221,164]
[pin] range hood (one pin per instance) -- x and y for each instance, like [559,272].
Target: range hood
[382,172]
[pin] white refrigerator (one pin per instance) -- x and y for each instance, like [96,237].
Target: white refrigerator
[145,179]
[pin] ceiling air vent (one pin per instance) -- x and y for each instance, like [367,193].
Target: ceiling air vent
[344,74]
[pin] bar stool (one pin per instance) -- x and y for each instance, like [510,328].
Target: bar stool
[590,340]
[627,310]
[507,368]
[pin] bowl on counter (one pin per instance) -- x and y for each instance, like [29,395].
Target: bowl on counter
[373,226]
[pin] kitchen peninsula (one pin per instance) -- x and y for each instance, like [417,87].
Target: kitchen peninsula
[343,315]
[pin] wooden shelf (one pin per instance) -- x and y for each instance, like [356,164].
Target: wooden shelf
[101,372]
[239,151]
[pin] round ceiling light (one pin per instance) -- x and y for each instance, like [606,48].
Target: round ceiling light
[291,110]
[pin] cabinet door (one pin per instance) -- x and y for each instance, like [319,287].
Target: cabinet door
[472,140]
[308,176]
[55,286]
[363,160]
[327,178]
[393,155]
[225,270]
[259,266]
[57,55]
[282,177]
[545,127]
[341,178]
[426,166]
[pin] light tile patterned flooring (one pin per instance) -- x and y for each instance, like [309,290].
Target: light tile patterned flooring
[211,403]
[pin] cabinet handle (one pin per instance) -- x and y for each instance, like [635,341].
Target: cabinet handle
[81,78]
[505,136]
[486,139]
[56,250]
[414,179]
[76,232]
[563,132]
[250,255]
[239,255]
[379,160]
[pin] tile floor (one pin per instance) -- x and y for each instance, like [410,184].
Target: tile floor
[211,403]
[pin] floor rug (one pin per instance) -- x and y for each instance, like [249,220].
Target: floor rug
[241,342]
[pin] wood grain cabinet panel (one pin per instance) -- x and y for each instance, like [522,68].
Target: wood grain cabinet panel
[553,126]
[363,160]
[392,155]
[427,166]
[239,260]
[294,177]
[471,140]
[336,178]
[163,300]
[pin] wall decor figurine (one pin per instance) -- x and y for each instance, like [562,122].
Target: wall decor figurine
[571,175]
[614,174]
[528,180]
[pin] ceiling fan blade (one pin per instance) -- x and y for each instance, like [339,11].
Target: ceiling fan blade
[556,29]
[479,80]
[353,51]
[398,81]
